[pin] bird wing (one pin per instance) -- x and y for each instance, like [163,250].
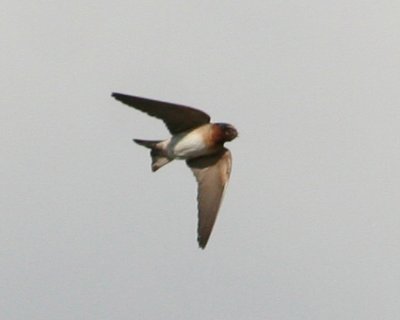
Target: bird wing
[212,174]
[176,117]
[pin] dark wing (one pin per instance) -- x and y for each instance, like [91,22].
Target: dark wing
[177,118]
[212,175]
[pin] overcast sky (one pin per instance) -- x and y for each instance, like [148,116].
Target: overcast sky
[309,227]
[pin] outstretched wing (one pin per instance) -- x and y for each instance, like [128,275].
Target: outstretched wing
[176,117]
[212,175]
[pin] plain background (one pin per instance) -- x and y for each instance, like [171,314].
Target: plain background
[309,228]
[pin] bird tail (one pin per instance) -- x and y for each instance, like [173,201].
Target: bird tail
[158,157]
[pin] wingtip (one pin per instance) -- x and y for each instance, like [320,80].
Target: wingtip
[116,95]
[202,243]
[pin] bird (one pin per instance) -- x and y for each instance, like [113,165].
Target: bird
[197,141]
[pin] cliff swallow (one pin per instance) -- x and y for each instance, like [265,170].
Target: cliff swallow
[197,141]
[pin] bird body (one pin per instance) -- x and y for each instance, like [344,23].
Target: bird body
[190,144]
[197,141]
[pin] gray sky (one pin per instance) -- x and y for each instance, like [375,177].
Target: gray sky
[309,228]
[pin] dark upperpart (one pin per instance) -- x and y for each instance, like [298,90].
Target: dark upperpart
[226,132]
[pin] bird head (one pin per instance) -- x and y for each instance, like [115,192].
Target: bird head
[228,131]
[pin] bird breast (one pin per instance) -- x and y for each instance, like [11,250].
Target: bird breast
[191,144]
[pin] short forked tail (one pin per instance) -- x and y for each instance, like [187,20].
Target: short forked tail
[158,158]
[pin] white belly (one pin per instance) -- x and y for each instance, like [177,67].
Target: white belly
[186,146]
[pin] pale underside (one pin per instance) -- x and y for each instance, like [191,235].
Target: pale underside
[188,145]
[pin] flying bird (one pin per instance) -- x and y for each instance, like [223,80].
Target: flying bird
[197,141]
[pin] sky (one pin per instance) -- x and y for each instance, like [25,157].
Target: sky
[309,226]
